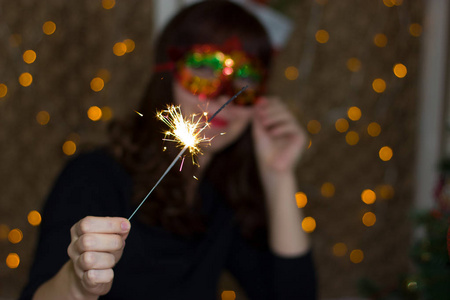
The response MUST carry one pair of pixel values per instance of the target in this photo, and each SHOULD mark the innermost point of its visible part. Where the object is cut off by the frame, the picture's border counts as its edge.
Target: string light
(385, 191)
(379, 85)
(107, 113)
(354, 113)
(356, 256)
(3, 90)
(228, 295)
(94, 113)
(130, 45)
(25, 79)
(374, 129)
(352, 138)
(43, 117)
(29, 56)
(400, 70)
(13, 260)
(34, 218)
(15, 236)
(301, 199)
(97, 84)
(4, 231)
(380, 40)
(353, 64)
(309, 224)
(327, 189)
(108, 4)
(314, 127)
(415, 29)
(119, 49)
(368, 196)
(369, 219)
(339, 249)
(104, 74)
(291, 73)
(341, 125)
(385, 153)
(69, 148)
(322, 36)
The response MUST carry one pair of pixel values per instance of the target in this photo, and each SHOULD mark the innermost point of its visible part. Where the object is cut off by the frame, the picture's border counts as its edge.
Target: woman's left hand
(279, 140)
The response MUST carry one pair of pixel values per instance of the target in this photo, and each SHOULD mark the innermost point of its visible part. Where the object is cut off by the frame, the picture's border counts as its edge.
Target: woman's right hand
(97, 245)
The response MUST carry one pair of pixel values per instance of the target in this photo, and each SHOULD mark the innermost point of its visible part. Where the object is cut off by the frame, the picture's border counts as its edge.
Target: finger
(96, 261)
(103, 225)
(94, 277)
(99, 242)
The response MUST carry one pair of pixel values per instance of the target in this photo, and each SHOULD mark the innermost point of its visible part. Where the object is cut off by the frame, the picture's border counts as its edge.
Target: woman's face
(225, 128)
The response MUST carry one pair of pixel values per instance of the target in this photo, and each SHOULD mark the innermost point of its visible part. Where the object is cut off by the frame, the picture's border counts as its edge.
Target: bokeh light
(4, 231)
(94, 113)
(314, 126)
(352, 138)
(15, 236)
(356, 256)
(107, 113)
(400, 70)
(380, 40)
(301, 199)
(415, 29)
(119, 49)
(43, 117)
(291, 73)
(309, 224)
(388, 3)
(69, 148)
(341, 125)
(327, 189)
(228, 295)
(49, 28)
(104, 74)
(379, 85)
(369, 219)
(25, 79)
(34, 218)
(29, 56)
(368, 196)
(354, 113)
(12, 260)
(97, 84)
(386, 191)
(374, 129)
(108, 4)
(385, 153)
(339, 249)
(130, 44)
(322, 36)
(3, 90)
(353, 64)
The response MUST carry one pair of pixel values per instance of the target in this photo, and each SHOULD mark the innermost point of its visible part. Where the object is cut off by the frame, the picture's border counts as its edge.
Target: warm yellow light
(400, 70)
(369, 219)
(108, 4)
(291, 73)
(107, 113)
(352, 138)
(354, 113)
(374, 129)
(415, 29)
(104, 74)
(29, 56)
(309, 224)
(25, 79)
(353, 64)
(310, 143)
(368, 196)
(94, 113)
(228, 295)
(34, 218)
(43, 117)
(385, 191)
(356, 256)
(339, 249)
(385, 153)
(380, 40)
(4, 231)
(388, 3)
(12, 260)
(49, 28)
(15, 236)
(69, 148)
(327, 189)
(341, 125)
(314, 127)
(322, 36)
(120, 49)
(3, 90)
(301, 199)
(97, 84)
(379, 85)
(130, 44)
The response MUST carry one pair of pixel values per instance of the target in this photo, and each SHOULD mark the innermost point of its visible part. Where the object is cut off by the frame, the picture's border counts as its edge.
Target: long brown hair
(136, 142)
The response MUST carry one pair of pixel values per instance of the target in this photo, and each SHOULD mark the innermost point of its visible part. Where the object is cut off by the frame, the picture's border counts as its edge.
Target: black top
(157, 264)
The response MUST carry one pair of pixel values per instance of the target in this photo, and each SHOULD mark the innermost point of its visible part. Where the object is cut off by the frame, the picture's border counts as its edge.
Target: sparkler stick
(192, 145)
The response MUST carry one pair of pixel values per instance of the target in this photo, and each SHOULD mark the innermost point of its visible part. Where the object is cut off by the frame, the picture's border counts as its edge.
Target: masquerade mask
(207, 71)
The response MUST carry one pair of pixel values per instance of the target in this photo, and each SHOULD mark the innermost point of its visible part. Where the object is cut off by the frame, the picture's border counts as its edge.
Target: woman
(239, 215)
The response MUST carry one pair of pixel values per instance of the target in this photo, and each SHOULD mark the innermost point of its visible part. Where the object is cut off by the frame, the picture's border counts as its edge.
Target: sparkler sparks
(185, 132)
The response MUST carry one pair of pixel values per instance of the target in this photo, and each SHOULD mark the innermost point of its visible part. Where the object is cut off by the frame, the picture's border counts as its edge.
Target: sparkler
(185, 132)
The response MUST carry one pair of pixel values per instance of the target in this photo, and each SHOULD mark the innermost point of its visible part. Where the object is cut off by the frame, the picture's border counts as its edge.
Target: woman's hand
(97, 245)
(279, 140)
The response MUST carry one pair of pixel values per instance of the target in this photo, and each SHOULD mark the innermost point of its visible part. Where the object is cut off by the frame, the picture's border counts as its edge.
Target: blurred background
(367, 79)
